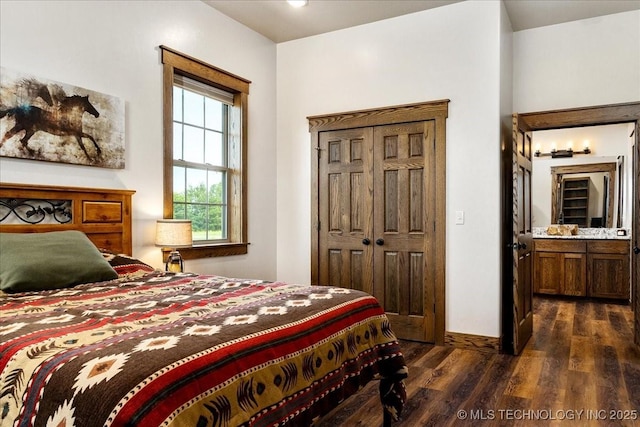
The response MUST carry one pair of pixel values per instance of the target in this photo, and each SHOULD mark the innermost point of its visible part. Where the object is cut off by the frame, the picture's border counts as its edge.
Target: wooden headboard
(104, 215)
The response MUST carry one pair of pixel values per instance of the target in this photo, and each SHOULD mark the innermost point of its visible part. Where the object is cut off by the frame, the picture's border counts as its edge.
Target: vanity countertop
(585, 233)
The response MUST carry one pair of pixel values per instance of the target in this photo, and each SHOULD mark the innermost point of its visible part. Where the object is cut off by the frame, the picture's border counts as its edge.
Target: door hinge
(434, 307)
(318, 226)
(318, 150)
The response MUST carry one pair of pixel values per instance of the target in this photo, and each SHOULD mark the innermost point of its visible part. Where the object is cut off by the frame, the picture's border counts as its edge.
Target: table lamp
(174, 234)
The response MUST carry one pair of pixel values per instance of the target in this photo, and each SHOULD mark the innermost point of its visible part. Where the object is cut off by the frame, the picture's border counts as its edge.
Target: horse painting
(33, 89)
(62, 119)
(48, 120)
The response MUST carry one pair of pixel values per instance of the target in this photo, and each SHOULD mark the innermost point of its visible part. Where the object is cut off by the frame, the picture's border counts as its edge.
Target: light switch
(459, 217)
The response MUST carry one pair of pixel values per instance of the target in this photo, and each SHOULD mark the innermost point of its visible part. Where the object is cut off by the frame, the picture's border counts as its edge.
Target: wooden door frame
(558, 119)
(436, 110)
(635, 234)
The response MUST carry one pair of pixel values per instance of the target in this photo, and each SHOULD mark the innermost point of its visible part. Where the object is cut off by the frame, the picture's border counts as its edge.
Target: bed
(141, 347)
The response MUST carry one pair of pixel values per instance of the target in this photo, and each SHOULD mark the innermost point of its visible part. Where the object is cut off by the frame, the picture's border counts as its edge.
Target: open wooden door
(517, 238)
(635, 237)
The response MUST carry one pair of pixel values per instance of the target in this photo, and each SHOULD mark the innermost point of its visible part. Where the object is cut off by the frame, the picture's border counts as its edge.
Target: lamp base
(174, 262)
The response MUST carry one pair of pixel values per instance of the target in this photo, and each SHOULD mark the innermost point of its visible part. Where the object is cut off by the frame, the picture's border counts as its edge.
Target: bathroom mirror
(603, 198)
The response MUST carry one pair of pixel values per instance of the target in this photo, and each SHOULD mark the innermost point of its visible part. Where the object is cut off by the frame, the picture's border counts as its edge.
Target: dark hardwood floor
(581, 368)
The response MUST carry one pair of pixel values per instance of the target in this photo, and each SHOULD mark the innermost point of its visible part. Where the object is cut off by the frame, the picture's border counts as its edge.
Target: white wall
(589, 62)
(112, 47)
(449, 52)
(606, 143)
(583, 63)
(506, 69)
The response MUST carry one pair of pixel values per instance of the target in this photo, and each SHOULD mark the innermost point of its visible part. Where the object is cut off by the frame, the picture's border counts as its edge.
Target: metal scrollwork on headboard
(35, 211)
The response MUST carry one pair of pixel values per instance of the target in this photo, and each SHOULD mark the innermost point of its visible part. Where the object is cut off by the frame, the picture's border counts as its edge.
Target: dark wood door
(376, 217)
(363, 188)
(404, 226)
(635, 260)
(346, 208)
(522, 239)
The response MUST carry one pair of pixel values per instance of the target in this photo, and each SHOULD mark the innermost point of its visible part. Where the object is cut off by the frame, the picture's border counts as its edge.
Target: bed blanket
(183, 349)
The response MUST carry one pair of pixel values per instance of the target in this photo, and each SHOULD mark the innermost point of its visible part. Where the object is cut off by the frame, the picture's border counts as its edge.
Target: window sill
(210, 251)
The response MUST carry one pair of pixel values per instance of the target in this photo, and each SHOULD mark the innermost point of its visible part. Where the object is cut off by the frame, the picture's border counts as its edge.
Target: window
(204, 154)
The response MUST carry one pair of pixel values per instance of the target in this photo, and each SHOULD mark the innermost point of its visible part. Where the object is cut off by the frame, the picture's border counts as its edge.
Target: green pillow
(42, 261)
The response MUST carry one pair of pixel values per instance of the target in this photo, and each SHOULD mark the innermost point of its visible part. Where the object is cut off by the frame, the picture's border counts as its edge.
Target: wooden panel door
(346, 208)
(635, 235)
(404, 226)
(397, 181)
(522, 241)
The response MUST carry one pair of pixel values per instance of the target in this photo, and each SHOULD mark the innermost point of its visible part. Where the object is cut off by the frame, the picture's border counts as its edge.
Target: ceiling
(278, 21)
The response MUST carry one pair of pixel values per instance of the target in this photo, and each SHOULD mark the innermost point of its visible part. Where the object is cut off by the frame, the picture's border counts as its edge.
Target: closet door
(404, 226)
(345, 180)
(378, 210)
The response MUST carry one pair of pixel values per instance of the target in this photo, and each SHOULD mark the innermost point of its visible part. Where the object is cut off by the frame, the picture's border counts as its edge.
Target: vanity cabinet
(608, 269)
(560, 267)
(591, 268)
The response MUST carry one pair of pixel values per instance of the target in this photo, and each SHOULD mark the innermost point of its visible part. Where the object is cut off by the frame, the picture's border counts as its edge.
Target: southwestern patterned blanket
(162, 349)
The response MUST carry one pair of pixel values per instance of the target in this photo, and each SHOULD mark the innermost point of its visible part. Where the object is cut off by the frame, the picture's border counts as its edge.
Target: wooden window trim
(176, 62)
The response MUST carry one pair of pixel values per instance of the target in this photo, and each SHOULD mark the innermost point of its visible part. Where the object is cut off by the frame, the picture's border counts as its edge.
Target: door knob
(636, 250)
(366, 241)
(380, 242)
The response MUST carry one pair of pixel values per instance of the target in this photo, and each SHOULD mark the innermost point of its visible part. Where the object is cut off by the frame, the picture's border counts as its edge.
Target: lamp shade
(173, 233)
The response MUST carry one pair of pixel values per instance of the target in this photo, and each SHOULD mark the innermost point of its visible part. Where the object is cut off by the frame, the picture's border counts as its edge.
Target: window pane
(177, 141)
(193, 108)
(193, 144)
(217, 187)
(214, 151)
(213, 117)
(217, 223)
(179, 184)
(179, 211)
(196, 186)
(177, 104)
(198, 216)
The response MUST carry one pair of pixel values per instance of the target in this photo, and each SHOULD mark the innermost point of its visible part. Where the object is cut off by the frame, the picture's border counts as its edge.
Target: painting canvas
(47, 120)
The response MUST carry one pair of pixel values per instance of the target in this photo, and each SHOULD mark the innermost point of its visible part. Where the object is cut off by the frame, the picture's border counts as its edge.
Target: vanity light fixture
(298, 3)
(567, 152)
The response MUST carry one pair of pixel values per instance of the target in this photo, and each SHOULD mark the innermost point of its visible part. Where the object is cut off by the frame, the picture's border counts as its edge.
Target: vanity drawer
(609, 246)
(560, 245)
